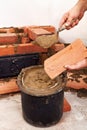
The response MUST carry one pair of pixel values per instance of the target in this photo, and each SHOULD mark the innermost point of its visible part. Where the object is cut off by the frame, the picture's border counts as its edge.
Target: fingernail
(67, 24)
(65, 66)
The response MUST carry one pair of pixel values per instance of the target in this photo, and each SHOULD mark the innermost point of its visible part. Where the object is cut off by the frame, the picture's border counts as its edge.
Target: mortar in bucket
(42, 98)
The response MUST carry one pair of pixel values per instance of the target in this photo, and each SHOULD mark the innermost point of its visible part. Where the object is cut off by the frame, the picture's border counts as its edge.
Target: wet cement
(47, 41)
(36, 82)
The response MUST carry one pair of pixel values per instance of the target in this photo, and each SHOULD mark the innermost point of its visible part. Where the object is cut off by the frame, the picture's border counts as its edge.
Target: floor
(11, 114)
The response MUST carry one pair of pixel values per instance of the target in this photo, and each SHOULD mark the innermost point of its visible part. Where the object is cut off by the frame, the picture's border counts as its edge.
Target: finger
(63, 19)
(71, 23)
(74, 23)
(81, 15)
(77, 66)
(68, 23)
(71, 67)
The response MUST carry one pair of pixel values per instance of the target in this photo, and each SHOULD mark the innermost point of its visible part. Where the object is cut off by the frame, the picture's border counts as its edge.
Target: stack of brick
(19, 40)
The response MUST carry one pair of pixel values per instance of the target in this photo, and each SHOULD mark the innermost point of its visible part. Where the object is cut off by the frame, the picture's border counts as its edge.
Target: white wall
(41, 12)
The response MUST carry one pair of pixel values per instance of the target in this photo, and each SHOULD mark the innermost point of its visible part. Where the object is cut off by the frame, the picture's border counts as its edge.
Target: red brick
(11, 30)
(3, 30)
(7, 30)
(28, 48)
(15, 30)
(67, 106)
(33, 33)
(6, 50)
(74, 84)
(72, 54)
(48, 28)
(8, 86)
(57, 47)
(8, 38)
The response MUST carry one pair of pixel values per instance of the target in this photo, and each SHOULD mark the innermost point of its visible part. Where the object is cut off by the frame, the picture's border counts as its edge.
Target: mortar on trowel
(47, 40)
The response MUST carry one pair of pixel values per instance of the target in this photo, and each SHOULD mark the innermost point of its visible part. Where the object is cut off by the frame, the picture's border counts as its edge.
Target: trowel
(47, 40)
(71, 54)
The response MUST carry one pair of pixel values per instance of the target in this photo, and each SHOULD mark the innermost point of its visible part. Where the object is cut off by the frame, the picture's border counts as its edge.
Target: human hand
(73, 16)
(77, 66)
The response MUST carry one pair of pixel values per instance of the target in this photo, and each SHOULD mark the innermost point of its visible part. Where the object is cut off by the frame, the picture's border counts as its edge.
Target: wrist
(82, 4)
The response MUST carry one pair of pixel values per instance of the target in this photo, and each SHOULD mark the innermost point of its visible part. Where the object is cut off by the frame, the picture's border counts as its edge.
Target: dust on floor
(11, 114)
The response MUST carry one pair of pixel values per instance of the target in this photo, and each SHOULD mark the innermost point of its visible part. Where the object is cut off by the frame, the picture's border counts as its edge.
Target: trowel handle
(64, 26)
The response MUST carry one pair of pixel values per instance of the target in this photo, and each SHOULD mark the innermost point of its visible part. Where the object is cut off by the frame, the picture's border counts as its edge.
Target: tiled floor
(11, 114)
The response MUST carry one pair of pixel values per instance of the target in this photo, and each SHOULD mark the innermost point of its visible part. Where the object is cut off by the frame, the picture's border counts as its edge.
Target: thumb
(69, 21)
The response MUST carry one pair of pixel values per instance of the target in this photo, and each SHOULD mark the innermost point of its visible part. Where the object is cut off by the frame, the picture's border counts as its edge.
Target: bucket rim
(23, 89)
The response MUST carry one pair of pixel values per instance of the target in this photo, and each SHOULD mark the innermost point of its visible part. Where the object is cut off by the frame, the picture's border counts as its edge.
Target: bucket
(42, 98)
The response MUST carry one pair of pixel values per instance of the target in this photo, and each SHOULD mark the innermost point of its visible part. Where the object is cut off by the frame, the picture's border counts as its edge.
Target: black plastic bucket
(42, 109)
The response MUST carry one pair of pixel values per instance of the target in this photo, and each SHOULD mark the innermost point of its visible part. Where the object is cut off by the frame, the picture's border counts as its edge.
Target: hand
(79, 65)
(74, 15)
